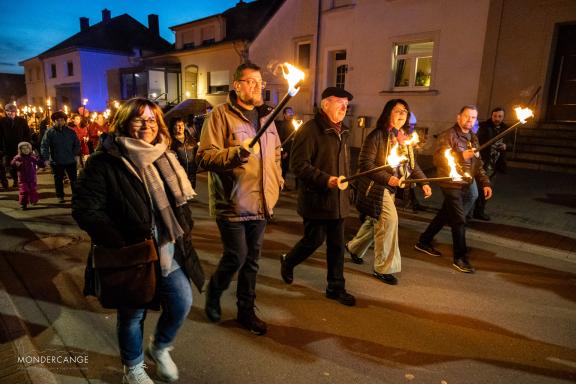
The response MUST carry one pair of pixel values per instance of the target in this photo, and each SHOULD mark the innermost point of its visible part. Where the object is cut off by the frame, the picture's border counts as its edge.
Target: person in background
(95, 129)
(13, 130)
(185, 147)
(320, 153)
(59, 149)
(133, 189)
(25, 163)
(81, 130)
(243, 188)
(493, 157)
(285, 128)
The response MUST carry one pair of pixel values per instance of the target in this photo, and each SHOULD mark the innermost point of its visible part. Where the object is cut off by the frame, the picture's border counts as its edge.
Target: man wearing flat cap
(320, 153)
(59, 149)
(13, 130)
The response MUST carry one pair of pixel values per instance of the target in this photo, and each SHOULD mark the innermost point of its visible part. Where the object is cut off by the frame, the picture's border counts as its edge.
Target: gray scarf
(160, 169)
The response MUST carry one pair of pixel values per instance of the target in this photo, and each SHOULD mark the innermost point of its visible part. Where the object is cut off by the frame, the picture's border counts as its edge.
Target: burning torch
(454, 175)
(394, 160)
(522, 114)
(294, 76)
(296, 124)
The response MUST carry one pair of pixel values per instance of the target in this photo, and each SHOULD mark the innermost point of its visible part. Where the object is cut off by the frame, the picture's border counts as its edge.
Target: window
(191, 81)
(303, 58)
(413, 65)
(208, 35)
(218, 82)
(341, 72)
(53, 71)
(70, 67)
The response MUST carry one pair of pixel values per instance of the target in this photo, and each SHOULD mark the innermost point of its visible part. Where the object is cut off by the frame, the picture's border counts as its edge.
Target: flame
(394, 159)
(452, 164)
(296, 124)
(84, 102)
(66, 109)
(48, 103)
(414, 139)
(523, 113)
(293, 75)
(116, 104)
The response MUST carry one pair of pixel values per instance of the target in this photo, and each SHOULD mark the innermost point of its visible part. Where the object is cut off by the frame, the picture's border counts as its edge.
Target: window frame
(413, 59)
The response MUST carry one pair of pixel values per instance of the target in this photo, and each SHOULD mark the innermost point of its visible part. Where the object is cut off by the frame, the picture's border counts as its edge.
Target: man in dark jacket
(494, 156)
(320, 154)
(13, 130)
(459, 196)
(59, 149)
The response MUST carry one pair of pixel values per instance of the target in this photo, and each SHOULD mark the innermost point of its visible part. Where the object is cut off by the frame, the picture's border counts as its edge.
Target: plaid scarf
(160, 169)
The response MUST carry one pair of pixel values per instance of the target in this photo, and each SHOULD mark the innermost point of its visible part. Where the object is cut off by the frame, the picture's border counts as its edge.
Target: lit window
(413, 65)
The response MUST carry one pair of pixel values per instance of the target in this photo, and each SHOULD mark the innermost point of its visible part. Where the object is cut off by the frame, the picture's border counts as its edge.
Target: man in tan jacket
(243, 186)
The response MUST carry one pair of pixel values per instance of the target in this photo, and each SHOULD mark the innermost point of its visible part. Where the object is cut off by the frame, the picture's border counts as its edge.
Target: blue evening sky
(29, 27)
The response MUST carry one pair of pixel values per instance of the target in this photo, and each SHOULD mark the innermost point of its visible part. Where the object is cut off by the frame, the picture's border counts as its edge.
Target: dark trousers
(242, 241)
(58, 172)
(315, 232)
(453, 212)
(3, 179)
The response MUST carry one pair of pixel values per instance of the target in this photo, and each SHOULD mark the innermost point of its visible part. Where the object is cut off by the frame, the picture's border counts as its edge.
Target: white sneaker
(136, 375)
(166, 369)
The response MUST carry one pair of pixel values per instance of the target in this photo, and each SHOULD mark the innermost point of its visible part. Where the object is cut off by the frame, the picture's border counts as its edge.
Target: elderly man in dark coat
(320, 153)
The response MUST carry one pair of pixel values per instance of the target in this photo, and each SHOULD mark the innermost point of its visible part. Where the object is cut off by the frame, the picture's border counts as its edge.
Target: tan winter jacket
(239, 190)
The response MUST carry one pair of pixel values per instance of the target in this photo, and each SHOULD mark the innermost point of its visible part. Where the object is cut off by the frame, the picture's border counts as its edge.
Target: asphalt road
(514, 321)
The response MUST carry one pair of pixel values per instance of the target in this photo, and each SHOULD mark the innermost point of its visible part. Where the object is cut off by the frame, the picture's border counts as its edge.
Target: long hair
(384, 119)
(134, 108)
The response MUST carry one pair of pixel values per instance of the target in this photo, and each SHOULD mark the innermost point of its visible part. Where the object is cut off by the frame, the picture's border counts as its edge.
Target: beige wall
(519, 55)
(294, 22)
(217, 58)
(35, 86)
(368, 31)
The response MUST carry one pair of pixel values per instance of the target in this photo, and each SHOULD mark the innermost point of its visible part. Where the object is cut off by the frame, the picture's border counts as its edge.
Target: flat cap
(337, 92)
(58, 115)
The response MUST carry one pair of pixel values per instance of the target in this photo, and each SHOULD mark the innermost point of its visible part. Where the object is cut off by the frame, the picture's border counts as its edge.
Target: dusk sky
(30, 27)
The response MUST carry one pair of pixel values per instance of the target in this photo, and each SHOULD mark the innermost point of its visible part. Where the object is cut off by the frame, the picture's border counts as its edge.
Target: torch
(454, 175)
(393, 161)
(49, 110)
(522, 114)
(296, 124)
(294, 76)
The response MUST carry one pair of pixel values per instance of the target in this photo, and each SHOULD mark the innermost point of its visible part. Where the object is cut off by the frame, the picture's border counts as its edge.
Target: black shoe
(353, 256)
(286, 272)
(212, 306)
(463, 265)
(386, 278)
(342, 297)
(248, 319)
(481, 216)
(427, 248)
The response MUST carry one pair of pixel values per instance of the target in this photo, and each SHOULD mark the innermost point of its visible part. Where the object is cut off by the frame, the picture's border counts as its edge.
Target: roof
(245, 20)
(121, 33)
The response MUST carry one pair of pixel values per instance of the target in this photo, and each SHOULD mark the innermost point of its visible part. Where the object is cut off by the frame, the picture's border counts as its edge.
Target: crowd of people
(137, 175)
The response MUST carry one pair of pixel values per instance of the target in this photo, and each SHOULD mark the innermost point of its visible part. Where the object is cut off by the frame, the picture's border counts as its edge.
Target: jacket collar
(326, 126)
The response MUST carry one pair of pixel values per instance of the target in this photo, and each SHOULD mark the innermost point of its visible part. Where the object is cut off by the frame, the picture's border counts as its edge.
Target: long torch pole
(373, 170)
(271, 117)
(497, 137)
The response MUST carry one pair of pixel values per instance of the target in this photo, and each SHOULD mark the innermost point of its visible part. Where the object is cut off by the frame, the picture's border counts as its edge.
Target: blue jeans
(175, 295)
(242, 242)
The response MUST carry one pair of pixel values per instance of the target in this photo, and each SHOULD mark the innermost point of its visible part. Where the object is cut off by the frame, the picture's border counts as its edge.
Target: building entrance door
(562, 97)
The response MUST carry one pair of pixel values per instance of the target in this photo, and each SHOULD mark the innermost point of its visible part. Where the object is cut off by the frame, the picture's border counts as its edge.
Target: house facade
(78, 68)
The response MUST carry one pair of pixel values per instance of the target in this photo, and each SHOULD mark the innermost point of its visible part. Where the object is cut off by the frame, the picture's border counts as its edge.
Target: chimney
(105, 14)
(153, 24)
(84, 24)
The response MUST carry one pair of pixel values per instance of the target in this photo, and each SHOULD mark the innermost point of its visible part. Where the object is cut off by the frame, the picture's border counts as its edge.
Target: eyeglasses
(252, 83)
(138, 122)
(400, 112)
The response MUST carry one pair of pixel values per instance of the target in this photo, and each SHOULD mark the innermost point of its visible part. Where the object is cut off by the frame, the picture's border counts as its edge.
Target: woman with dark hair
(375, 196)
(185, 145)
(133, 192)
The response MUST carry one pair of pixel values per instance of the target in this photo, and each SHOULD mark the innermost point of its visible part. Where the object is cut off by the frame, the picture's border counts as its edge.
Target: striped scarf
(160, 169)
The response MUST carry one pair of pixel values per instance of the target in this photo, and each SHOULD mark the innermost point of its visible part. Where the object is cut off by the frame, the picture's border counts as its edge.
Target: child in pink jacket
(25, 163)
